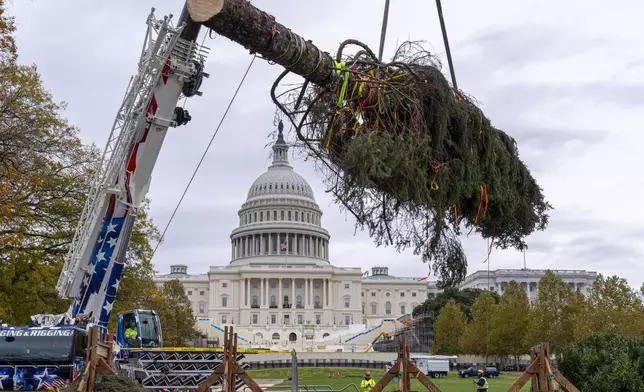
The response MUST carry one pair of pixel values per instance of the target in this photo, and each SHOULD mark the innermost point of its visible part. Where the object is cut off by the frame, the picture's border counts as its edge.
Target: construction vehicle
(49, 352)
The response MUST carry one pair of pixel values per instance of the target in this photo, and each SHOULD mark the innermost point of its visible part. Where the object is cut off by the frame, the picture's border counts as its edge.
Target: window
(402, 309)
(302, 217)
(362, 294)
(374, 308)
(318, 319)
(224, 302)
(297, 217)
(316, 285)
(224, 285)
(347, 320)
(255, 301)
(273, 319)
(281, 215)
(254, 216)
(285, 285)
(261, 216)
(288, 215)
(273, 301)
(347, 302)
(255, 319)
(224, 319)
(189, 292)
(275, 218)
(276, 336)
(346, 285)
(202, 307)
(413, 294)
(373, 293)
(402, 294)
(308, 217)
(300, 319)
(363, 308)
(298, 285)
(388, 294)
(287, 319)
(299, 300)
(317, 302)
(273, 285)
(388, 307)
(255, 285)
(201, 293)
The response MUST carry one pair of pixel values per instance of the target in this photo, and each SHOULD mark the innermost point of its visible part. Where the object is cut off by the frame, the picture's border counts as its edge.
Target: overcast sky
(564, 78)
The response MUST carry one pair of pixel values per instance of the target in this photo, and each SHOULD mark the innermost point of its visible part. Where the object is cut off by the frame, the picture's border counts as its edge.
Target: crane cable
(446, 42)
(223, 117)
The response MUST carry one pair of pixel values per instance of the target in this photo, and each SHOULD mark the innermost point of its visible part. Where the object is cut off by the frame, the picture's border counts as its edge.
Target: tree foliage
(177, 318)
(607, 363)
(510, 322)
(555, 312)
(448, 329)
(476, 337)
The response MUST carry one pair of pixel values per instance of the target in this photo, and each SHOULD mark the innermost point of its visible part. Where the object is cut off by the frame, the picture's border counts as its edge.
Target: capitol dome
(280, 222)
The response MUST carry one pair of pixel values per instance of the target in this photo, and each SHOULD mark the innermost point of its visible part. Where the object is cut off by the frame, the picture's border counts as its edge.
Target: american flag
(57, 383)
(103, 258)
(282, 246)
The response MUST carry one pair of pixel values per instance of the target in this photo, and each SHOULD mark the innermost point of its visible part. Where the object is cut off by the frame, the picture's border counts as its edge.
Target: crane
(170, 67)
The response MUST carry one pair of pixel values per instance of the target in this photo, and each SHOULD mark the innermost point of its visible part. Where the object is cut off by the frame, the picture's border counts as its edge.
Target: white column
(248, 292)
(292, 290)
(261, 292)
(270, 243)
(280, 300)
(324, 304)
(287, 235)
(306, 292)
(311, 292)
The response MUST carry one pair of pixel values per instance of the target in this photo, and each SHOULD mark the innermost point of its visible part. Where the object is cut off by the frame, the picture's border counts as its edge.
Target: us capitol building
(280, 288)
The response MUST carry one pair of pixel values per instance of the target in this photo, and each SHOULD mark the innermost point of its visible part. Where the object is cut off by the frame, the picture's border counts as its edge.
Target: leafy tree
(449, 327)
(464, 298)
(44, 177)
(510, 322)
(175, 312)
(555, 313)
(612, 307)
(607, 363)
(476, 337)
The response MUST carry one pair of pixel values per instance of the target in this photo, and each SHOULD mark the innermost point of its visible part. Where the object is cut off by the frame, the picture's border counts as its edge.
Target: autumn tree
(448, 329)
(45, 173)
(476, 337)
(175, 312)
(612, 307)
(510, 322)
(555, 313)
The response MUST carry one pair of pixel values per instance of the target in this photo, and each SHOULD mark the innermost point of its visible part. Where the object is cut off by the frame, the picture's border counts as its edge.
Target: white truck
(434, 366)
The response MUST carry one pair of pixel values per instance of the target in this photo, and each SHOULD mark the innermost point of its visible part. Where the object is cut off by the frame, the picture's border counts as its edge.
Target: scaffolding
(418, 333)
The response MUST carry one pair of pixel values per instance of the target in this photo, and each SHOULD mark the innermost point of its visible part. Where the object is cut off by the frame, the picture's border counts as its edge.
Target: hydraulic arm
(170, 66)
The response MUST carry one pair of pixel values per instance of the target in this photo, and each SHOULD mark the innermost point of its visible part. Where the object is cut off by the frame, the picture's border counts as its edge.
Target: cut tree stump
(542, 374)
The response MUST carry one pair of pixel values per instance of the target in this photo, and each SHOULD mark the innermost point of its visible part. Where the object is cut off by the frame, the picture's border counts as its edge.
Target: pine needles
(414, 160)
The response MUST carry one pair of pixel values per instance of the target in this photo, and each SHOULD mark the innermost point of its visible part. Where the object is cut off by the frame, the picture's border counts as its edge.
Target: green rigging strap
(341, 67)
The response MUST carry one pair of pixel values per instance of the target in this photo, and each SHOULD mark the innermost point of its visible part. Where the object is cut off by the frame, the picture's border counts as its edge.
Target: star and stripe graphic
(105, 254)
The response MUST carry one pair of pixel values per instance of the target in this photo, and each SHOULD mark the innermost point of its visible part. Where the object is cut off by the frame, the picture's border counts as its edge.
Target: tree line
(481, 322)
(45, 173)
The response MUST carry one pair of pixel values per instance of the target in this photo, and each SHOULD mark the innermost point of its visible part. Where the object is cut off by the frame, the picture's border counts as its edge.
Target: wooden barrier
(405, 368)
(98, 360)
(542, 374)
(229, 368)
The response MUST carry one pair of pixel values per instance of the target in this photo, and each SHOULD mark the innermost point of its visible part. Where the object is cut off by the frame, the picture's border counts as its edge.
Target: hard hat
(479, 371)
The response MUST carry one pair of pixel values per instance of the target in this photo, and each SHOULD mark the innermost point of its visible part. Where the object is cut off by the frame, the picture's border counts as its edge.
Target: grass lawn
(320, 377)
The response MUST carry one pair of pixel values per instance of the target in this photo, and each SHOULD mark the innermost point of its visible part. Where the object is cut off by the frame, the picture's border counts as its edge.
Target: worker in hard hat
(481, 383)
(367, 383)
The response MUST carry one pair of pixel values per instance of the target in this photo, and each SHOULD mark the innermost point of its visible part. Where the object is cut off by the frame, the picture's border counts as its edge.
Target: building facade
(528, 279)
(279, 286)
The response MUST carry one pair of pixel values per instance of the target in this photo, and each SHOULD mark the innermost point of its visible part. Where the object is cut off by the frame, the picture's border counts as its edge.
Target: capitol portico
(279, 286)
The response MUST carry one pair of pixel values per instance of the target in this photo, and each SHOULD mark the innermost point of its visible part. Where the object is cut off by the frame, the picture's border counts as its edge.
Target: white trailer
(434, 366)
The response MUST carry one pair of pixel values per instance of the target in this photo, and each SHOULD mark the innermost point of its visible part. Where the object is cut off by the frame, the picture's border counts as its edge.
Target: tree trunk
(258, 32)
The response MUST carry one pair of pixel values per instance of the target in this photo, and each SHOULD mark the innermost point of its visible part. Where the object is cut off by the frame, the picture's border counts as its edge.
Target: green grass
(320, 376)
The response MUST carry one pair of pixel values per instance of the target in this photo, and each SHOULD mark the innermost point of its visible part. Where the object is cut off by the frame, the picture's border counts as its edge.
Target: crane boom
(170, 65)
